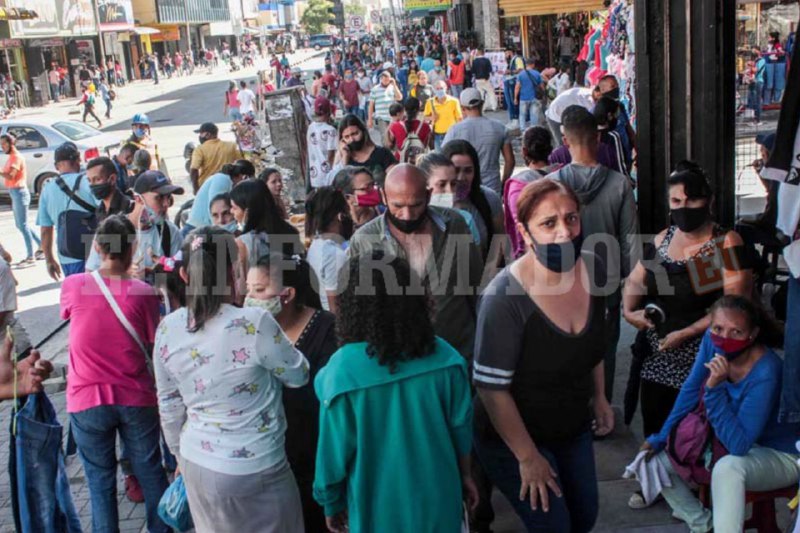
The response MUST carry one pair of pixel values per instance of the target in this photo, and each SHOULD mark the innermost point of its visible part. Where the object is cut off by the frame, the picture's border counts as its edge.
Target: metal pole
(99, 34)
(394, 32)
(188, 30)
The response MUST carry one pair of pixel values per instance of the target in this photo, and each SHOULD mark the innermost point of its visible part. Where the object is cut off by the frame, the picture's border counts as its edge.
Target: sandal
(636, 501)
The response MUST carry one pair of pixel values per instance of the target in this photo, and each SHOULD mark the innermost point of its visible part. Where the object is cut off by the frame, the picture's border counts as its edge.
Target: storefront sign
(46, 43)
(64, 18)
(430, 5)
(86, 51)
(10, 43)
(115, 15)
(220, 28)
(168, 33)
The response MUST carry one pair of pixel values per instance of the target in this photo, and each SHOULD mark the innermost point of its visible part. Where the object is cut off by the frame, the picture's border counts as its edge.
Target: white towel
(651, 475)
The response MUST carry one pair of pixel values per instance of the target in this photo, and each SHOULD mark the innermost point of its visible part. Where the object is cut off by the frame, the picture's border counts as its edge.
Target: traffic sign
(375, 16)
(356, 22)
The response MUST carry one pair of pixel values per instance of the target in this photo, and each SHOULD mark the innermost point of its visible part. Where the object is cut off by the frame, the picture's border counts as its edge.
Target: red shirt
(350, 92)
(329, 80)
(398, 130)
(457, 73)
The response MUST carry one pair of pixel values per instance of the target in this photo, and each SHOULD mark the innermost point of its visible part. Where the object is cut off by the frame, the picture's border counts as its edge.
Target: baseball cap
(388, 65)
(157, 182)
(471, 97)
(207, 127)
(766, 139)
(67, 152)
(322, 106)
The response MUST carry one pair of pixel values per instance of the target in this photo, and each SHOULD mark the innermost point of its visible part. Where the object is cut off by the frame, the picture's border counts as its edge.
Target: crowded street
(399, 267)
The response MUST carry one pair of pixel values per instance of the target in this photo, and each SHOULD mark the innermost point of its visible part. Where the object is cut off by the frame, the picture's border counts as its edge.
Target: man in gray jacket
(609, 219)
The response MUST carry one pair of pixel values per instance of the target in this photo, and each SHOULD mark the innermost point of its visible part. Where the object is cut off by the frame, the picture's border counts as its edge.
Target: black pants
(88, 109)
(656, 402)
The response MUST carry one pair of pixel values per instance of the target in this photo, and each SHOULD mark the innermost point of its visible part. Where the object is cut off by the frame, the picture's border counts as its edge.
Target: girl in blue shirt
(739, 376)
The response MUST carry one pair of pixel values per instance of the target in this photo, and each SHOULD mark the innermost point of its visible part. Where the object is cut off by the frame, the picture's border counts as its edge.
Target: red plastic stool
(762, 519)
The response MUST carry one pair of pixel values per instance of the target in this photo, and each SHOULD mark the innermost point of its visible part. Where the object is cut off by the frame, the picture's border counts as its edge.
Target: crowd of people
(439, 325)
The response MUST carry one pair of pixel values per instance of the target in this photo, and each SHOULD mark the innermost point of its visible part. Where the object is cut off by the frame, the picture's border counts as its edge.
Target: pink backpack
(687, 444)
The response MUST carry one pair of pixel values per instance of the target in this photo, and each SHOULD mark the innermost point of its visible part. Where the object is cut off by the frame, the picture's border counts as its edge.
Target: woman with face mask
(284, 286)
(357, 149)
(538, 368)
(221, 214)
(685, 270)
(737, 378)
(220, 374)
(361, 193)
(328, 227)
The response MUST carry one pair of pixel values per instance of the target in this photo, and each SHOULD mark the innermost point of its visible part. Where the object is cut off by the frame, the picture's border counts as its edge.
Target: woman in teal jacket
(395, 412)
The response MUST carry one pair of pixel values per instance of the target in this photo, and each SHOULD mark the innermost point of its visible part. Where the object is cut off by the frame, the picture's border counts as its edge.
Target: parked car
(321, 40)
(37, 140)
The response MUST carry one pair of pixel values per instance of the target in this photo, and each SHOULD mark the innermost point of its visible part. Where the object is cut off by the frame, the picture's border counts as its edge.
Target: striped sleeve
(498, 338)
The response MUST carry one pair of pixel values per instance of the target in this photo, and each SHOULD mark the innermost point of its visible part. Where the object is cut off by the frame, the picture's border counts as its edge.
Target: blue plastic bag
(174, 507)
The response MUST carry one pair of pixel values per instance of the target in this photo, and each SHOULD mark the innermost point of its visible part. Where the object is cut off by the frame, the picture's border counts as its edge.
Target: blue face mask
(231, 226)
(139, 132)
(150, 217)
(440, 93)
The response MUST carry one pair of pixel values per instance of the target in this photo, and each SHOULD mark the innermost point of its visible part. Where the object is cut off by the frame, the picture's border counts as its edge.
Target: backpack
(90, 99)
(75, 227)
(412, 146)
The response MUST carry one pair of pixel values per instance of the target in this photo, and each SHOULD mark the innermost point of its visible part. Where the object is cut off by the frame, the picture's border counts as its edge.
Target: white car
(37, 140)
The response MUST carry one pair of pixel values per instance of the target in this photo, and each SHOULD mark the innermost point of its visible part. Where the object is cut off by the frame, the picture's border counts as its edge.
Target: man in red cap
(322, 141)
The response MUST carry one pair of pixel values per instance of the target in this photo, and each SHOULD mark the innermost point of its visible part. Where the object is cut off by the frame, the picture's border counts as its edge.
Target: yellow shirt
(447, 113)
(209, 157)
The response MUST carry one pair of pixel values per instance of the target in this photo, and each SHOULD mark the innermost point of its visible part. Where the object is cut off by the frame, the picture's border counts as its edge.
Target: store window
(511, 30)
(28, 138)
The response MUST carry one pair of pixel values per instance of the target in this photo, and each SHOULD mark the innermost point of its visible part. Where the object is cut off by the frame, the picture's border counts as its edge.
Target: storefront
(12, 60)
(214, 34)
(167, 41)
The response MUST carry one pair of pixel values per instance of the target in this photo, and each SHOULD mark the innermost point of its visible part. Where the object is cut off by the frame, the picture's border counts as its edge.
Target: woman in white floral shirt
(220, 371)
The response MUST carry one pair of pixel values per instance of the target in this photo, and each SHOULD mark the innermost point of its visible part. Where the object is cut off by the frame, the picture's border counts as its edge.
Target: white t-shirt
(326, 257)
(581, 96)
(321, 139)
(246, 99)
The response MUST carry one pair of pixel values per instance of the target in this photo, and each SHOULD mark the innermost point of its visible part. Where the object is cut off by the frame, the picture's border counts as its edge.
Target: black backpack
(74, 224)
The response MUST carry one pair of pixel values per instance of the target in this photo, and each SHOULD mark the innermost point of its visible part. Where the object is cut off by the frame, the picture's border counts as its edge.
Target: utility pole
(188, 30)
(394, 32)
(102, 61)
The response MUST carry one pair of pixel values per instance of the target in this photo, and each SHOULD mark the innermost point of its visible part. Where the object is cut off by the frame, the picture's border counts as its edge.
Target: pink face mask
(369, 199)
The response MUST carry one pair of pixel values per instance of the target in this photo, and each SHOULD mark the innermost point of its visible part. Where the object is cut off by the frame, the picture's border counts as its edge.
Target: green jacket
(389, 443)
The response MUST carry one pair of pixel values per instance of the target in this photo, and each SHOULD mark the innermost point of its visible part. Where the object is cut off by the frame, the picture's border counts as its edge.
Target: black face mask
(406, 226)
(689, 219)
(613, 94)
(355, 146)
(202, 139)
(101, 191)
(558, 256)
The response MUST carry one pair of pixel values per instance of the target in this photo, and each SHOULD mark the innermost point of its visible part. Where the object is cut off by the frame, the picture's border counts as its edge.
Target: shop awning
(17, 13)
(144, 30)
(516, 8)
(251, 31)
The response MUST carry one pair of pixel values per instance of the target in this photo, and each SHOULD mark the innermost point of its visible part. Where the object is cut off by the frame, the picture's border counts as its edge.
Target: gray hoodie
(607, 207)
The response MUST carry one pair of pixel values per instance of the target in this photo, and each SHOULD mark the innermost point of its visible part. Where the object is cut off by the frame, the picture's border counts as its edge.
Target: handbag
(688, 444)
(74, 224)
(123, 319)
(173, 508)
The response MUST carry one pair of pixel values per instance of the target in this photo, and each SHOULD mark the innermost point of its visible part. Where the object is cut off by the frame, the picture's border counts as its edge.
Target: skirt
(265, 502)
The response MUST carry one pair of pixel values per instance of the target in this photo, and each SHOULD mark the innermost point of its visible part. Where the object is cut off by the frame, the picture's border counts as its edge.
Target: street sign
(375, 16)
(356, 22)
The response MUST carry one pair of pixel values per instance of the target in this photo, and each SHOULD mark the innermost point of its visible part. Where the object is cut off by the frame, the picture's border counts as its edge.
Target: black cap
(155, 181)
(766, 139)
(207, 127)
(67, 152)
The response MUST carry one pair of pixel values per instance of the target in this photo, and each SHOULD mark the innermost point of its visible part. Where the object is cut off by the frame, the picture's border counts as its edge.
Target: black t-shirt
(378, 162)
(481, 68)
(547, 371)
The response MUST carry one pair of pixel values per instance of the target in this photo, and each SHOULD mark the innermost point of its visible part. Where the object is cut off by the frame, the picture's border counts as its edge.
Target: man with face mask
(429, 238)
(140, 137)
(442, 111)
(384, 94)
(211, 155)
(609, 87)
(102, 175)
(296, 79)
(608, 217)
(606, 112)
(157, 236)
(364, 90)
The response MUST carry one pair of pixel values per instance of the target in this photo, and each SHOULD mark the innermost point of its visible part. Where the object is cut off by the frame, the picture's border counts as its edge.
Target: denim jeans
(234, 114)
(529, 113)
(508, 97)
(456, 90)
(41, 499)
(573, 462)
(761, 470)
(790, 395)
(78, 267)
(95, 433)
(20, 200)
(54, 91)
(438, 140)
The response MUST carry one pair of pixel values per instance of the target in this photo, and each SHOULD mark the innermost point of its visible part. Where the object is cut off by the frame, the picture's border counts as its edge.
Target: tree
(355, 9)
(316, 16)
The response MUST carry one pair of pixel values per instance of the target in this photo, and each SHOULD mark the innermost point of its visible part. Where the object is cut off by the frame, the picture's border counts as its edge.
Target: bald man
(437, 243)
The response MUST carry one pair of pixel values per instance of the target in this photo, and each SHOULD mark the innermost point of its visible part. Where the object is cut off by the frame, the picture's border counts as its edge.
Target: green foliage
(316, 16)
(355, 9)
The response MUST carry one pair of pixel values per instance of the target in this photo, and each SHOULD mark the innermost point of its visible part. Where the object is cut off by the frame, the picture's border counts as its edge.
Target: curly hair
(382, 306)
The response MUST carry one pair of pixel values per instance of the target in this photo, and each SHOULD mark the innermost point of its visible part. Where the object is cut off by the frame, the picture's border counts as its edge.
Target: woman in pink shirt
(232, 103)
(111, 389)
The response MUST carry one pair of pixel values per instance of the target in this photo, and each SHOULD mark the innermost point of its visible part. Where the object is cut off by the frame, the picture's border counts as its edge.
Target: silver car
(37, 140)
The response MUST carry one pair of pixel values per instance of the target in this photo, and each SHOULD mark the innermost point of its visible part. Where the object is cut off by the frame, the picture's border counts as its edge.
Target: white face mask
(443, 199)
(271, 305)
